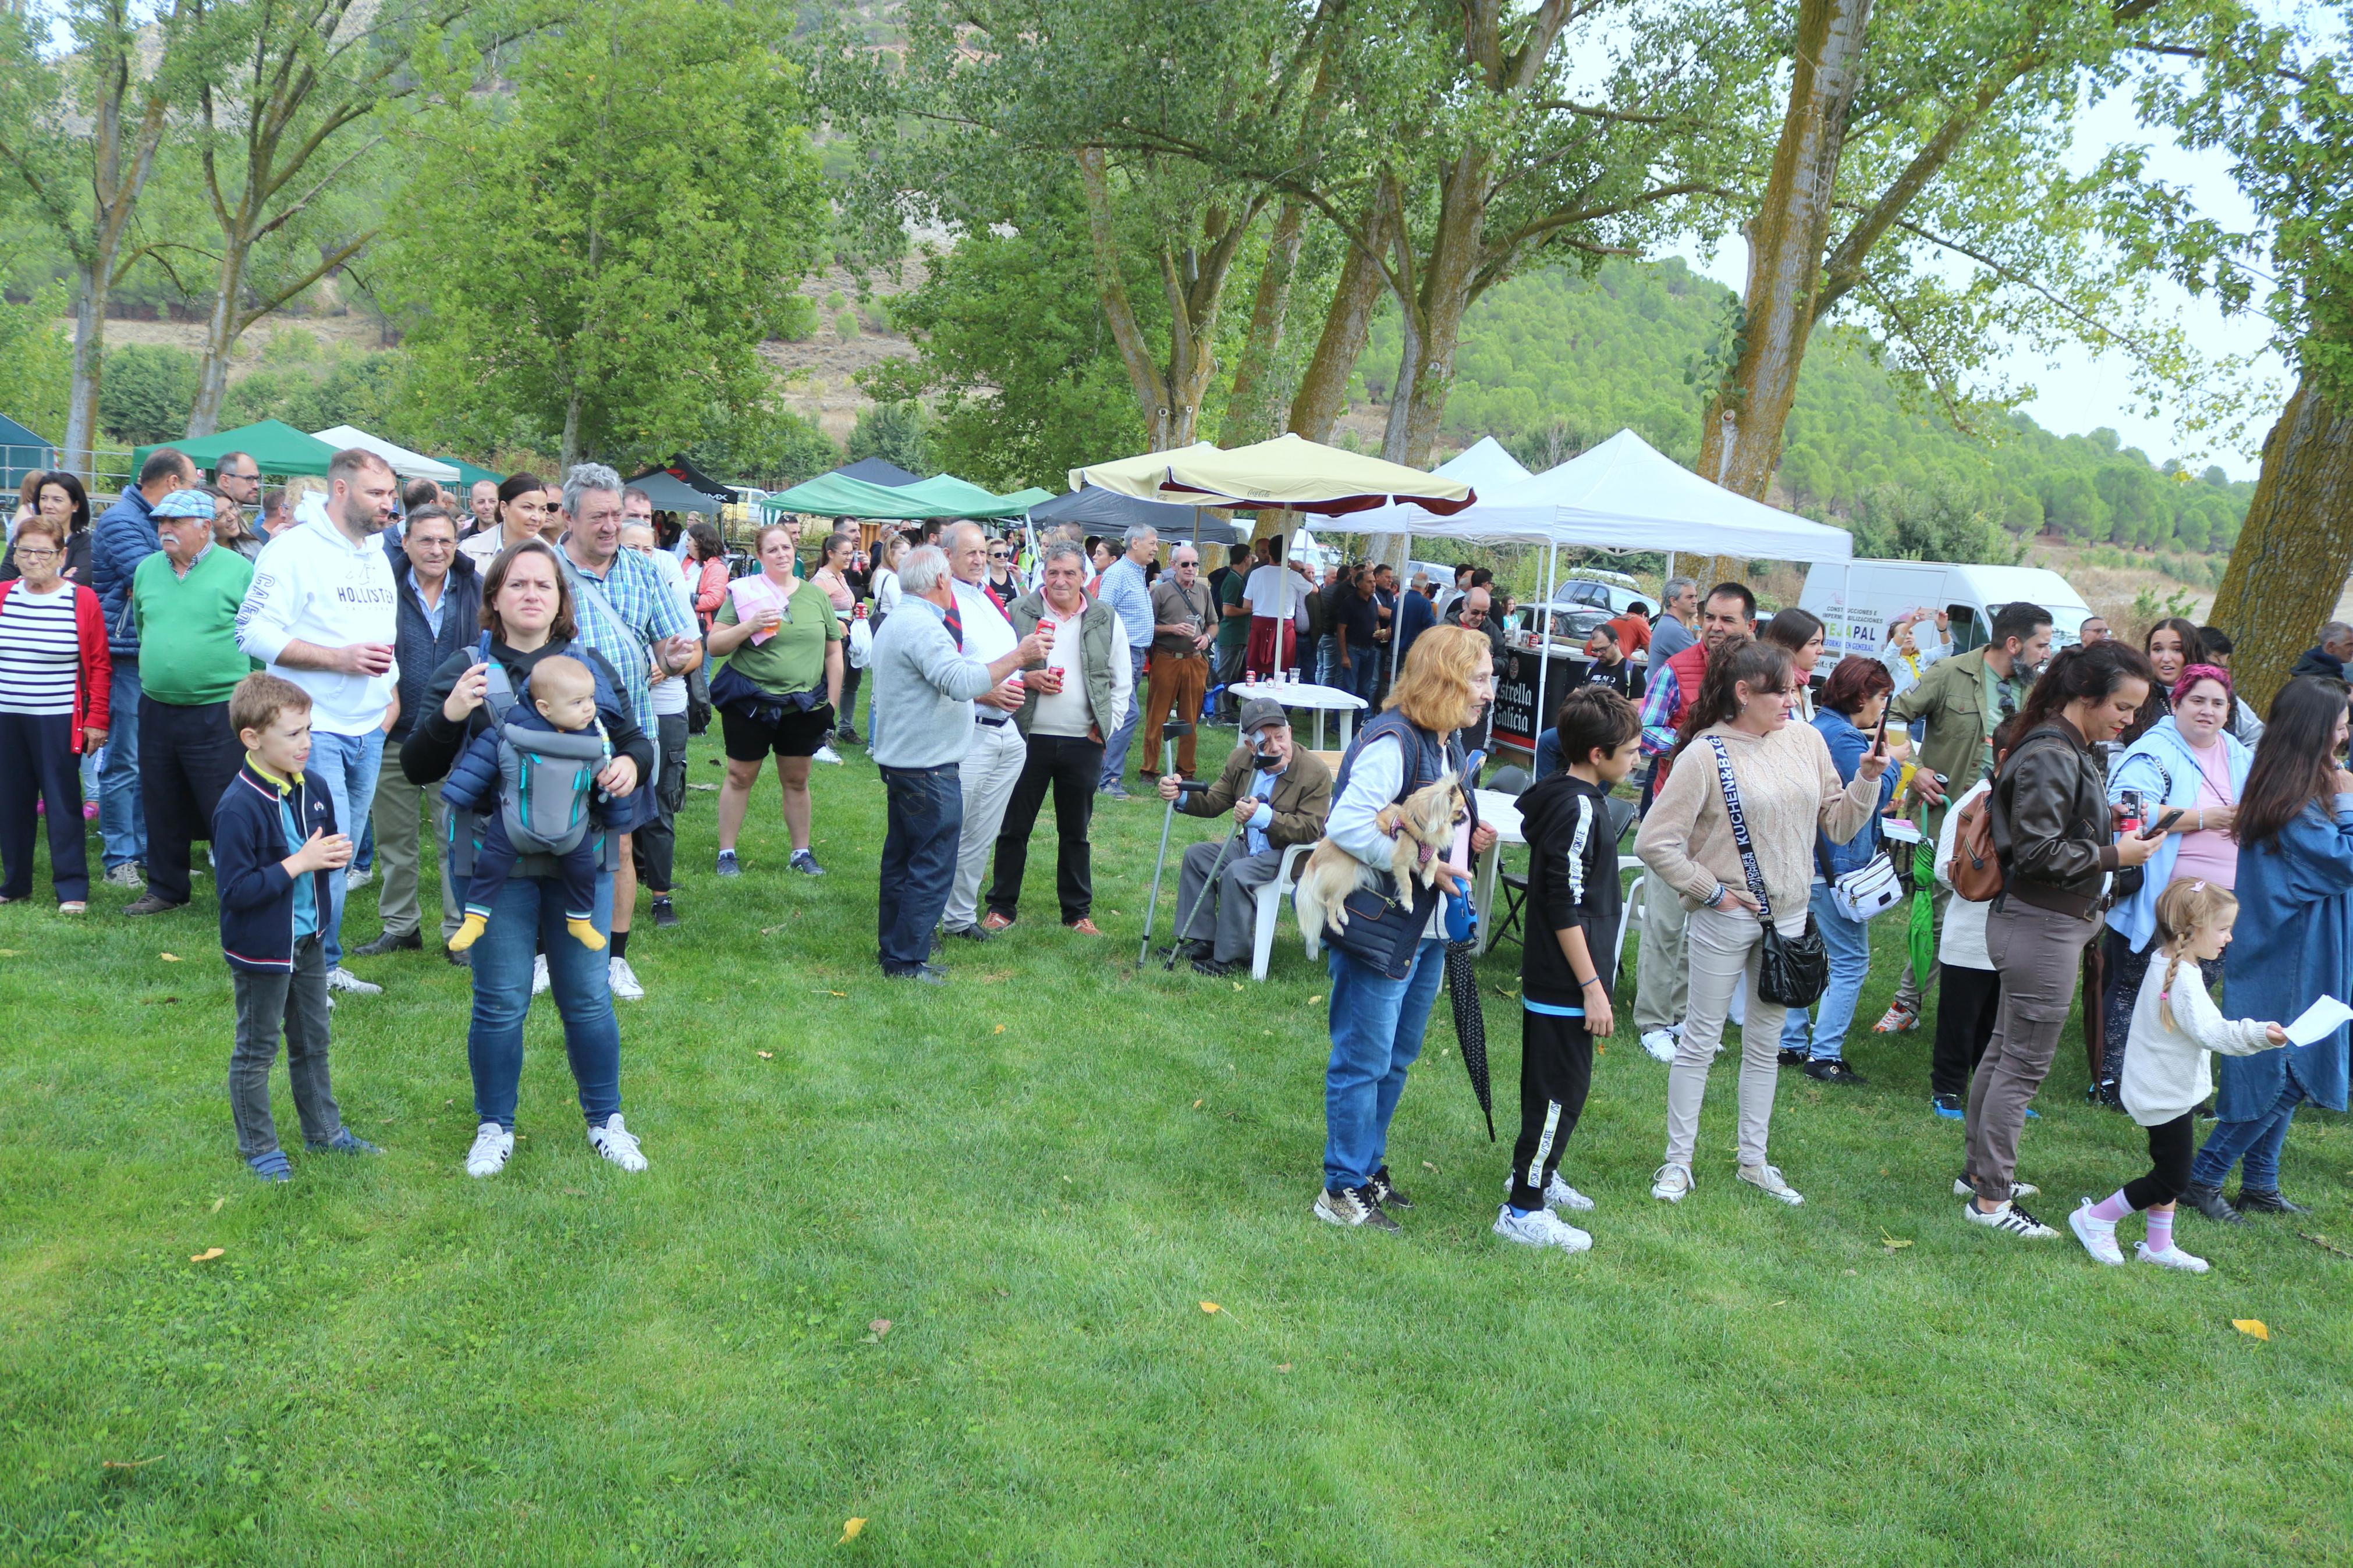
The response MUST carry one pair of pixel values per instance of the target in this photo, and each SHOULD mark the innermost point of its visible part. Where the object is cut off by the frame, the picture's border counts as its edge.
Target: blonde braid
(2165, 992)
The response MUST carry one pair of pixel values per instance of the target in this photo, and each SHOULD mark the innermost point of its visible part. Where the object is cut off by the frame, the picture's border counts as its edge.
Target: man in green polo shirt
(184, 599)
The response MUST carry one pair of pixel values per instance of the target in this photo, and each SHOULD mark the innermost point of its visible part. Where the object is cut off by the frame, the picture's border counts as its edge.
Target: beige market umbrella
(1290, 472)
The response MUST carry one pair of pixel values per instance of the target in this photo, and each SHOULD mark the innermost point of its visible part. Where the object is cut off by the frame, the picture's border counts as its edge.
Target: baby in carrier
(532, 779)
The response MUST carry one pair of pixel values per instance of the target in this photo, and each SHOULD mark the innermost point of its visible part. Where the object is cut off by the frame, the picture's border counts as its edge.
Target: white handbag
(1868, 891)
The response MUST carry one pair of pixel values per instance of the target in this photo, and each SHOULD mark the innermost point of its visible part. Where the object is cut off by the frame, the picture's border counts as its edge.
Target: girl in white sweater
(2174, 1025)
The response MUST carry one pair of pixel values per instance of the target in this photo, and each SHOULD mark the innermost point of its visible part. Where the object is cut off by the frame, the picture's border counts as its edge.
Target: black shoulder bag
(1795, 970)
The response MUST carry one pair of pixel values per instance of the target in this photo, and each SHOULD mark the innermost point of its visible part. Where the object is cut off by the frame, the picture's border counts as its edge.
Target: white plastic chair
(1270, 901)
(1635, 900)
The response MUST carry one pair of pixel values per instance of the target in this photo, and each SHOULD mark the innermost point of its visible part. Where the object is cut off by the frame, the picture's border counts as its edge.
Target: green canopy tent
(970, 501)
(276, 447)
(832, 495)
(467, 474)
(23, 452)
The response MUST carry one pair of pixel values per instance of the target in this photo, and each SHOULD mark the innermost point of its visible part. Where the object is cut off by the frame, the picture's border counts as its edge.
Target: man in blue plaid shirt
(631, 616)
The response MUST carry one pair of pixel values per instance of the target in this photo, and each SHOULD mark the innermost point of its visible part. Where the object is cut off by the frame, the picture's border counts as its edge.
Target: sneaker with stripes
(2010, 1220)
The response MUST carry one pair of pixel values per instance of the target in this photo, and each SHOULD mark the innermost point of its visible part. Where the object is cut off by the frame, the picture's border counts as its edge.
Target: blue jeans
(924, 821)
(348, 765)
(1377, 1027)
(1363, 676)
(122, 811)
(1115, 745)
(2257, 1141)
(528, 918)
(1327, 658)
(1849, 948)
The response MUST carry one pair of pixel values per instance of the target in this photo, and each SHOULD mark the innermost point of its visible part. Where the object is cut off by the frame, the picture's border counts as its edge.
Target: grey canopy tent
(1103, 511)
(877, 471)
(674, 495)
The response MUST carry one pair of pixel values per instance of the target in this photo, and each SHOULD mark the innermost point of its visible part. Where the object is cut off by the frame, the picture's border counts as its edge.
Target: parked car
(1611, 591)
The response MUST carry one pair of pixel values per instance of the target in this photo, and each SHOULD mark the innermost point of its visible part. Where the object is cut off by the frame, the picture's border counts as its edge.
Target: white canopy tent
(1485, 467)
(1621, 495)
(408, 465)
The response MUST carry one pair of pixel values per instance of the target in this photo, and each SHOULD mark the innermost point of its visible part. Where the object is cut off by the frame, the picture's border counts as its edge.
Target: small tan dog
(1423, 826)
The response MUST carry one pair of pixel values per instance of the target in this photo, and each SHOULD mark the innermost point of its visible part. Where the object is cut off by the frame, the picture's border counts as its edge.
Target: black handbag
(1794, 970)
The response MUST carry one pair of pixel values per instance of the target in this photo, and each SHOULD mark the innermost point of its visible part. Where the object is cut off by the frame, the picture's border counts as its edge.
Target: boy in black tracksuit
(1568, 963)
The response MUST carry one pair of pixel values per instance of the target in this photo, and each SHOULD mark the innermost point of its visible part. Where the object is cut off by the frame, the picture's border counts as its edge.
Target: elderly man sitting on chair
(1277, 796)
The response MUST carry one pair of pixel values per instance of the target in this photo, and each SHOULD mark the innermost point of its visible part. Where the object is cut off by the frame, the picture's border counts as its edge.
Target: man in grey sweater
(923, 686)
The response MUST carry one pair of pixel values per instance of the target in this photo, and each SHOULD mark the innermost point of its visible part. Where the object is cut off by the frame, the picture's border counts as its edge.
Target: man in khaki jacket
(1277, 795)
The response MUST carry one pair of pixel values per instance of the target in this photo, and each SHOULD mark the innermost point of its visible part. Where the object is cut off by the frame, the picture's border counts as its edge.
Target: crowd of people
(319, 682)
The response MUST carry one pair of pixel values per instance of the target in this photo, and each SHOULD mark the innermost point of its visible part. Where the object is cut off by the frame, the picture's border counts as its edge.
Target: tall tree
(594, 260)
(2279, 101)
(1920, 186)
(286, 99)
(79, 138)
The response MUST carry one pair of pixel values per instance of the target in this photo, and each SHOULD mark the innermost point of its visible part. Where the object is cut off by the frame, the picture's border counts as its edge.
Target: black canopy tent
(878, 471)
(1107, 512)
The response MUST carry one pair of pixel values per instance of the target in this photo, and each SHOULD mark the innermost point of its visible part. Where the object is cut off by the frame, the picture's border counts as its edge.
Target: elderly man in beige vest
(1085, 690)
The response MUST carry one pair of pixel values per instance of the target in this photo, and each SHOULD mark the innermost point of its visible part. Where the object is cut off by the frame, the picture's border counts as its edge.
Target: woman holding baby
(1386, 967)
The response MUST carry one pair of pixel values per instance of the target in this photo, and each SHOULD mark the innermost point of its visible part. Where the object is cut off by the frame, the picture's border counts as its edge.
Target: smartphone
(2163, 826)
(1878, 736)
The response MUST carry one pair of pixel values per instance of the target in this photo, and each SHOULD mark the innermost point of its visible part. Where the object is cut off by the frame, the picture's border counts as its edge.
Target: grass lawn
(1040, 1176)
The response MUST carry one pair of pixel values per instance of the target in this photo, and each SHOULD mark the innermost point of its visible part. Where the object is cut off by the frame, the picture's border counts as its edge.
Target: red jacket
(94, 685)
(1691, 668)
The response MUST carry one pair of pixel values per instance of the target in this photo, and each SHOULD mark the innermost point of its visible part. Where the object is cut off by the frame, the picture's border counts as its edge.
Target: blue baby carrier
(546, 785)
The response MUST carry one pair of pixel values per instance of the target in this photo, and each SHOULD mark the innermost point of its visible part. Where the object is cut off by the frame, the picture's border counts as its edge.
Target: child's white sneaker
(1540, 1227)
(1557, 1194)
(2098, 1236)
(2172, 1258)
(493, 1144)
(616, 1142)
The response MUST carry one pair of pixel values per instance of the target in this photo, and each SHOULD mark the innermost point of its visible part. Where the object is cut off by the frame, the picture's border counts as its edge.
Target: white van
(1856, 600)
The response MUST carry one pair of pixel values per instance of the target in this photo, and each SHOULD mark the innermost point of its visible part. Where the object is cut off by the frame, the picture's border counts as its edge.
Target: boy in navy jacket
(274, 842)
(1570, 920)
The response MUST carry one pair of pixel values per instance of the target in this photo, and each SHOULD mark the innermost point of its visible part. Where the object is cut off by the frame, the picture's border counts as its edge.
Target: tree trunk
(1322, 391)
(222, 328)
(1250, 408)
(570, 433)
(90, 291)
(2289, 565)
(1740, 434)
(1447, 279)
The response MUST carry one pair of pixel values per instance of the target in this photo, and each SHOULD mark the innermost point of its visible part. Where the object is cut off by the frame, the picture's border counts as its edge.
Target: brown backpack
(1976, 869)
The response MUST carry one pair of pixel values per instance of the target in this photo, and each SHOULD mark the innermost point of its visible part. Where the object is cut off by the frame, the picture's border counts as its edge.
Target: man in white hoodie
(323, 613)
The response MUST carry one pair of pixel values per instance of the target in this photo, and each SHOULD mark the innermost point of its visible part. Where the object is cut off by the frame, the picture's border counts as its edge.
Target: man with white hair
(1184, 619)
(629, 612)
(993, 763)
(1124, 590)
(323, 613)
(927, 680)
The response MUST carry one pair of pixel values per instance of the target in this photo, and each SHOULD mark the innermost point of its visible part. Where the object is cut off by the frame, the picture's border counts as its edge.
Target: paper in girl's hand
(2319, 1021)
(751, 594)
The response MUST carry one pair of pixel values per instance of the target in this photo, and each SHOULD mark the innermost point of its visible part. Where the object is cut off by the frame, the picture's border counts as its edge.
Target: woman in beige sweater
(1788, 787)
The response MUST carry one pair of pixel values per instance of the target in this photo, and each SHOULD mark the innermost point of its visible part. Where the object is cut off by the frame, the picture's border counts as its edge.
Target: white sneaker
(1661, 1044)
(1557, 1194)
(1540, 1227)
(826, 754)
(539, 974)
(2172, 1258)
(2010, 1220)
(1961, 1189)
(1767, 1179)
(1671, 1184)
(617, 1143)
(342, 979)
(624, 980)
(354, 880)
(125, 876)
(493, 1144)
(2098, 1236)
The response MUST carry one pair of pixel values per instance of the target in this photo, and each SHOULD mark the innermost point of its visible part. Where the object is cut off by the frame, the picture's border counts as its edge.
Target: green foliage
(39, 357)
(597, 257)
(896, 433)
(1553, 361)
(2148, 607)
(145, 394)
(335, 388)
(845, 325)
(1947, 522)
(774, 449)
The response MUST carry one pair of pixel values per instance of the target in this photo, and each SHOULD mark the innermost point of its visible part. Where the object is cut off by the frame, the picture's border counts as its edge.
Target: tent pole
(1544, 648)
(1846, 606)
(1036, 567)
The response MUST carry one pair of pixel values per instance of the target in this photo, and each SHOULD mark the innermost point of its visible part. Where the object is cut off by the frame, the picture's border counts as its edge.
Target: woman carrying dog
(1743, 748)
(1388, 961)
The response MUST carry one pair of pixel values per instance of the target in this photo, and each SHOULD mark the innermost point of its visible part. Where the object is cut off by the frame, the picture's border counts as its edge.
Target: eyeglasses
(23, 553)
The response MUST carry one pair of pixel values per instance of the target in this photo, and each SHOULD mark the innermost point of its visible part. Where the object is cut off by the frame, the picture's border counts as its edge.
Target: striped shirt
(40, 651)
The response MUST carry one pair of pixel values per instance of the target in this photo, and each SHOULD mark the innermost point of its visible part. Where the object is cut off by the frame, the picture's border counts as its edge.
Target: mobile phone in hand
(2163, 825)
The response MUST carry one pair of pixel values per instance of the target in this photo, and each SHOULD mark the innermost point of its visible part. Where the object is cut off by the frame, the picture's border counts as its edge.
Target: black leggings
(1966, 1002)
(2170, 1145)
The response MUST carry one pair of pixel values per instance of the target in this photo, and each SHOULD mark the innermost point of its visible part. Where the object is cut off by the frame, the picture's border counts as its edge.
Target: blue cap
(184, 503)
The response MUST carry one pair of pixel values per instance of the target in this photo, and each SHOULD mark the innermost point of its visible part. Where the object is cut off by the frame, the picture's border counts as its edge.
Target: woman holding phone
(2186, 774)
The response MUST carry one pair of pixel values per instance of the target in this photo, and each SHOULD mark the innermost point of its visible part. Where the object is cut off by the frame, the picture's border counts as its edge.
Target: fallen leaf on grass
(1282, 1366)
(2252, 1328)
(1237, 985)
(208, 1255)
(9, 953)
(157, 1001)
(711, 787)
(767, 1056)
(218, 1201)
(879, 1327)
(127, 1463)
(169, 957)
(1317, 997)
(998, 1030)
(1891, 1244)
(1197, 1105)
(849, 1529)
(1212, 1306)
(1431, 1168)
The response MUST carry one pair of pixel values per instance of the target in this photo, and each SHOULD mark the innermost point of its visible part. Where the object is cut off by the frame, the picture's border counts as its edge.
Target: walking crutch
(1185, 917)
(1177, 730)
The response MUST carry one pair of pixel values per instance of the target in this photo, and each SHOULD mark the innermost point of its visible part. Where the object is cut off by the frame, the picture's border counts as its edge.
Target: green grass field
(1039, 1176)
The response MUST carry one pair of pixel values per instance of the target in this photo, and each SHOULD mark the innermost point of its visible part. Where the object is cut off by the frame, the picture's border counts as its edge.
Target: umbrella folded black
(1469, 1025)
